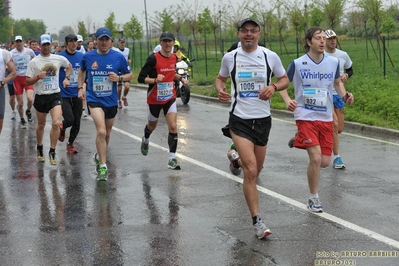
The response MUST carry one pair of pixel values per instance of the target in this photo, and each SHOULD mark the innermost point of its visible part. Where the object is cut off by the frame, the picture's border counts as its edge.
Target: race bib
(250, 82)
(74, 76)
(315, 99)
(102, 86)
(22, 64)
(50, 83)
(164, 91)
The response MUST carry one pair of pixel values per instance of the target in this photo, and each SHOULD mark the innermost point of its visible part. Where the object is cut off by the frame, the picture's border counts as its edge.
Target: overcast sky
(56, 14)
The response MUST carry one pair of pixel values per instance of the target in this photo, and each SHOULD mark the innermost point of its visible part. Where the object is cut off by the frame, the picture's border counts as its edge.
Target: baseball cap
(79, 38)
(242, 22)
(71, 37)
(330, 34)
(167, 36)
(103, 31)
(121, 40)
(18, 38)
(45, 38)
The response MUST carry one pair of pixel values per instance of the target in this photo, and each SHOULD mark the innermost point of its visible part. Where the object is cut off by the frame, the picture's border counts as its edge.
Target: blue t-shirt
(100, 89)
(72, 89)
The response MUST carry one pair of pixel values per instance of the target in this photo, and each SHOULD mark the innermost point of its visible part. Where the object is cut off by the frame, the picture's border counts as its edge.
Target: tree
(6, 26)
(133, 29)
(389, 26)
(316, 15)
(65, 30)
(375, 13)
(82, 30)
(333, 10)
(111, 24)
(28, 28)
(163, 21)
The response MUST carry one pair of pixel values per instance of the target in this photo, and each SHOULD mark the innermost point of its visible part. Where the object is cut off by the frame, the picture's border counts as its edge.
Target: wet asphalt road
(146, 214)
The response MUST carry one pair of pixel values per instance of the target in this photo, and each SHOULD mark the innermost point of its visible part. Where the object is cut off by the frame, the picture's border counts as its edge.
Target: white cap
(45, 38)
(18, 38)
(80, 38)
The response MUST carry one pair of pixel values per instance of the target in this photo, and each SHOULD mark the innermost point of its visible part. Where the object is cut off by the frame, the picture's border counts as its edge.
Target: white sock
(336, 156)
(314, 196)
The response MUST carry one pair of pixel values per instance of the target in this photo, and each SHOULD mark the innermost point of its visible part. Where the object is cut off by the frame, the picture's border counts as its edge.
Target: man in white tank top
(314, 76)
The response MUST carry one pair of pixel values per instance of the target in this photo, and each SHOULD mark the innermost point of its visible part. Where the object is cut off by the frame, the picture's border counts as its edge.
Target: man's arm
(220, 86)
(12, 73)
(340, 89)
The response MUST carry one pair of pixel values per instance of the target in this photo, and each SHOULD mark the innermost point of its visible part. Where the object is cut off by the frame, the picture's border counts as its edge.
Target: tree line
(278, 20)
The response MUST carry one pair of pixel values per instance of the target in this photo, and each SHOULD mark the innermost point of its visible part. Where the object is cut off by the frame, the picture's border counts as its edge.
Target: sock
(256, 219)
(172, 141)
(39, 147)
(52, 150)
(147, 134)
(172, 155)
(104, 165)
(336, 156)
(314, 196)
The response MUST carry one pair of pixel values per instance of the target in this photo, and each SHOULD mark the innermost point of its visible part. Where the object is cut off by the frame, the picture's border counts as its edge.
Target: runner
(126, 53)
(6, 64)
(159, 72)
(80, 48)
(102, 66)
(43, 74)
(346, 71)
(21, 57)
(71, 104)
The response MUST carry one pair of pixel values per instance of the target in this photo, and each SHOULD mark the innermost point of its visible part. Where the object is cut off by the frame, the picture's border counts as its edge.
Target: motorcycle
(183, 68)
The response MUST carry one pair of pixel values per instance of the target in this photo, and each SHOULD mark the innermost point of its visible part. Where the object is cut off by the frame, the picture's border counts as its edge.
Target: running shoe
(338, 163)
(40, 156)
(13, 115)
(61, 137)
(124, 99)
(102, 174)
(173, 164)
(314, 205)
(261, 230)
(23, 124)
(53, 160)
(29, 116)
(71, 149)
(233, 156)
(119, 104)
(144, 147)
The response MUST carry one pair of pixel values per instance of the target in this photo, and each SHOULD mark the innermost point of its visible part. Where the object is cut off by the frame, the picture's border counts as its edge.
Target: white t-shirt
(5, 57)
(51, 64)
(21, 59)
(313, 85)
(81, 50)
(125, 52)
(345, 62)
(253, 72)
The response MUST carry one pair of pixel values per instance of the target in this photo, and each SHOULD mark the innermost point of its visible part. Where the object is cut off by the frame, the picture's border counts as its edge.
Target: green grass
(376, 94)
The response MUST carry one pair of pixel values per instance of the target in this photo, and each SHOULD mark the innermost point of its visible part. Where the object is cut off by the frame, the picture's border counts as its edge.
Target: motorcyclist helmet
(177, 44)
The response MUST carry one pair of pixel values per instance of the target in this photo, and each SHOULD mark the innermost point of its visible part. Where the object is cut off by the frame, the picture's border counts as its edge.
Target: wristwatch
(2, 83)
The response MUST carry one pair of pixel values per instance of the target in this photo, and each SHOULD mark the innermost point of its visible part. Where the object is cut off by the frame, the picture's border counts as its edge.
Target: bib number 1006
(247, 86)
